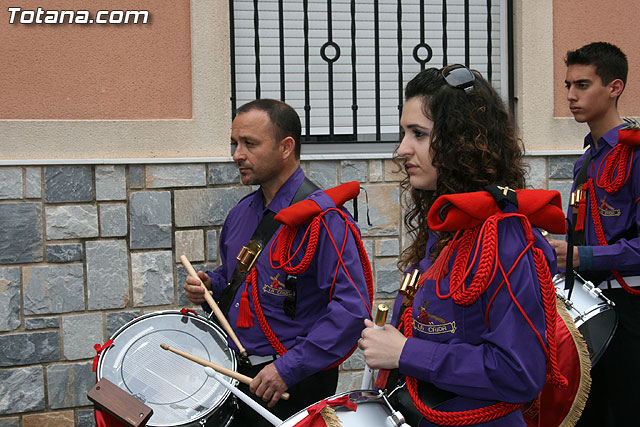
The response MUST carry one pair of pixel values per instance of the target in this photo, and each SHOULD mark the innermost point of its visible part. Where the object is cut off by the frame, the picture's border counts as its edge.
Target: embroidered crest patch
(276, 287)
(606, 209)
(428, 323)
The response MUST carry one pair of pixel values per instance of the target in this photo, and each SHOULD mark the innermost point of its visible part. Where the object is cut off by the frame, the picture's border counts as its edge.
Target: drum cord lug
(396, 417)
(593, 290)
(567, 303)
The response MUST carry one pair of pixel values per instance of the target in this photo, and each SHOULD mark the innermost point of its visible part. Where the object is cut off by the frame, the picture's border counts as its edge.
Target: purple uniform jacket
(324, 329)
(453, 349)
(619, 212)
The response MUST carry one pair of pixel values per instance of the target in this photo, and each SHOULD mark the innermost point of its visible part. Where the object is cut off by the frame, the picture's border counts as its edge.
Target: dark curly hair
(474, 143)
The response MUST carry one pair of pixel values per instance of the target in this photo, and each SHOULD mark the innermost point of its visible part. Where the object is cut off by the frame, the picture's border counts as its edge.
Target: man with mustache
(605, 220)
(316, 315)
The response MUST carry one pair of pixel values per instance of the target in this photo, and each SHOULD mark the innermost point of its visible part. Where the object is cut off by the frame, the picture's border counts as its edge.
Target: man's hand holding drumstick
(192, 289)
(206, 295)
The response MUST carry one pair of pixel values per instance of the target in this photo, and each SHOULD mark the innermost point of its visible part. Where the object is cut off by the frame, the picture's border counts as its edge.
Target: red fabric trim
(305, 210)
(466, 210)
(105, 419)
(99, 350)
(314, 419)
(629, 136)
(555, 403)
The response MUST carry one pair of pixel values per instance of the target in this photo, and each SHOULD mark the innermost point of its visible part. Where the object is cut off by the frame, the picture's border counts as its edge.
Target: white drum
(177, 389)
(373, 411)
(593, 314)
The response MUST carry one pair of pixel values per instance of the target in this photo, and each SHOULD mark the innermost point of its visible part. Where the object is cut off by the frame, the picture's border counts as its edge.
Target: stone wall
(84, 249)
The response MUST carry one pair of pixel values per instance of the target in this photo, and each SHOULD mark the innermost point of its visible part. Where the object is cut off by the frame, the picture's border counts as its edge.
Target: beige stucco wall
(544, 31)
(597, 20)
(198, 129)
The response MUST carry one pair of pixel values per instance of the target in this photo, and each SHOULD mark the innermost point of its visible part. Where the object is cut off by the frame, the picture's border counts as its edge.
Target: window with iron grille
(343, 64)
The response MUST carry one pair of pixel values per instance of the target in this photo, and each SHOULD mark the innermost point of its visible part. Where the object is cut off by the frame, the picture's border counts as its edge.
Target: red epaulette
(462, 211)
(305, 210)
(629, 136)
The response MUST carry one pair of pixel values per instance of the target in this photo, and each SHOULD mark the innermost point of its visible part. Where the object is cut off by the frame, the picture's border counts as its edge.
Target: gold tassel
(330, 417)
(584, 387)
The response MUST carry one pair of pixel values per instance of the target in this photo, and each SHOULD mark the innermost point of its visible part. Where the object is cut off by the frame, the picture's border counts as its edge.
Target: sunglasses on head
(459, 76)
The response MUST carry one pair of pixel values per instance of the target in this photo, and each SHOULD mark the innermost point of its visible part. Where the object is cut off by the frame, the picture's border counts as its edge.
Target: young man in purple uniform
(607, 250)
(316, 315)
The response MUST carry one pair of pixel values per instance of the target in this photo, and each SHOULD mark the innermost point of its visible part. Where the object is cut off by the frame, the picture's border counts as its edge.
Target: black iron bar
(354, 76)
(256, 38)
(281, 35)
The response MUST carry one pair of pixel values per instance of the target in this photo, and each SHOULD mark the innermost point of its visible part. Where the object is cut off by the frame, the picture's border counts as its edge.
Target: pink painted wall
(576, 23)
(96, 71)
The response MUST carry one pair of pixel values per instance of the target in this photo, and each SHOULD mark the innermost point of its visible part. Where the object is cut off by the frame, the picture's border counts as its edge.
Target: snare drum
(177, 389)
(593, 314)
(373, 411)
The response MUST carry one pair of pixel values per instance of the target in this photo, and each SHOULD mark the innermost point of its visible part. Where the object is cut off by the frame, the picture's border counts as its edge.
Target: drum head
(177, 389)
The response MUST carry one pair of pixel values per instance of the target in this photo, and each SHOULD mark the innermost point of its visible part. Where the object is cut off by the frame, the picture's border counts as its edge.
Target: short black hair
(286, 121)
(610, 62)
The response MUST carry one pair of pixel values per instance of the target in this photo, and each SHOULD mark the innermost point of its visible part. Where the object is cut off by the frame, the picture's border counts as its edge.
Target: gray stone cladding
(86, 249)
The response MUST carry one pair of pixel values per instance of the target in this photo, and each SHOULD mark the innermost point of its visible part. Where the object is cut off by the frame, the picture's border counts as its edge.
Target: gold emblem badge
(606, 209)
(428, 323)
(276, 287)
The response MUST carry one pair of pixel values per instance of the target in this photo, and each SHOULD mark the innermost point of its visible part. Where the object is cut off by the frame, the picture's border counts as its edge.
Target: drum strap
(262, 234)
(575, 237)
(581, 178)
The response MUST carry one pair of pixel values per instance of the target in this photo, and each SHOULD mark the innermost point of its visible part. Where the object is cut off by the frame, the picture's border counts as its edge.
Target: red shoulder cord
(488, 264)
(615, 172)
(286, 235)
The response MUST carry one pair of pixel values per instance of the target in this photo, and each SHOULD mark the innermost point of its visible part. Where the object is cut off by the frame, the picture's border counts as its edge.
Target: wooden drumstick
(214, 306)
(218, 368)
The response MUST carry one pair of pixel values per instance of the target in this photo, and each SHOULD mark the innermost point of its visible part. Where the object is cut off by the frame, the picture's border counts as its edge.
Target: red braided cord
(616, 160)
(486, 265)
(366, 265)
(288, 233)
(464, 418)
(597, 223)
(266, 329)
(463, 245)
(548, 292)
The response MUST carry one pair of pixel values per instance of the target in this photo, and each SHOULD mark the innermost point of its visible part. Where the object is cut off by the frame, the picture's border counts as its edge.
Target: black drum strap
(575, 238)
(581, 178)
(262, 234)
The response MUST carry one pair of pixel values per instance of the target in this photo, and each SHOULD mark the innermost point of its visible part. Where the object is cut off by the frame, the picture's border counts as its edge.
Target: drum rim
(205, 415)
(592, 312)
